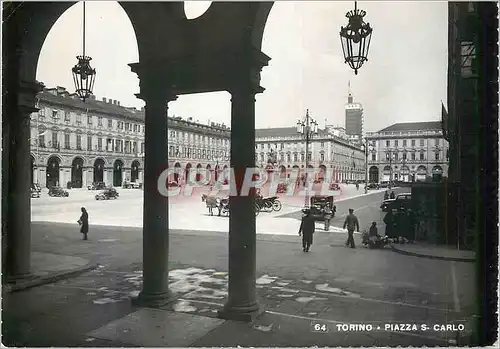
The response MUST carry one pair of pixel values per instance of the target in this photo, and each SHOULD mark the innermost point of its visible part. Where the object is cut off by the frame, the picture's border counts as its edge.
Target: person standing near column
(351, 222)
(306, 229)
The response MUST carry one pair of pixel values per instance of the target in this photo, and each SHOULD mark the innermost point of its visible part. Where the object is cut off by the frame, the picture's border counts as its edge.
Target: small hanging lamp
(355, 39)
(83, 73)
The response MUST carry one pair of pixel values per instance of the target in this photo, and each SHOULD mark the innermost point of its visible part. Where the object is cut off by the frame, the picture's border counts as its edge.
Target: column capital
(246, 66)
(27, 94)
(153, 81)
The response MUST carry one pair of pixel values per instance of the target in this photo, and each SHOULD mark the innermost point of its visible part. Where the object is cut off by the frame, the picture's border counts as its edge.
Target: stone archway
(118, 173)
(177, 172)
(437, 173)
(421, 173)
(134, 171)
(52, 174)
(387, 174)
(373, 174)
(98, 170)
(186, 173)
(322, 173)
(405, 174)
(198, 173)
(282, 171)
(77, 172)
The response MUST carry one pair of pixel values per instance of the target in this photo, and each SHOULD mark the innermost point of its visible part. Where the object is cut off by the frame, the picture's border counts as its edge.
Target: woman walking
(84, 223)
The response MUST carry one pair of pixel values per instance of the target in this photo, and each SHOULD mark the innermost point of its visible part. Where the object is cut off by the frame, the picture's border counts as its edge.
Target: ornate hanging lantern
(355, 39)
(83, 73)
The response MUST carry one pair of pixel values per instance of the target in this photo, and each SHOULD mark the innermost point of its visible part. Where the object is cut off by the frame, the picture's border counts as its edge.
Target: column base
(244, 314)
(148, 300)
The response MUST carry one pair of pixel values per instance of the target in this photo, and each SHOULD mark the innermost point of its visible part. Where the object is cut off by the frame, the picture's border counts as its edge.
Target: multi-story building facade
(81, 143)
(283, 150)
(354, 120)
(407, 152)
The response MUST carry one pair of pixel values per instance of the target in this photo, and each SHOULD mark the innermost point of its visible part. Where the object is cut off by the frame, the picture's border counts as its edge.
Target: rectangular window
(66, 141)
(404, 142)
(41, 139)
(127, 126)
(55, 114)
(322, 157)
(387, 143)
(134, 147)
(322, 144)
(412, 142)
(413, 156)
(54, 139)
(374, 157)
(396, 143)
(142, 147)
(79, 142)
(436, 155)
(422, 142)
(99, 143)
(171, 150)
(67, 116)
(396, 156)
(404, 156)
(41, 112)
(110, 123)
(89, 119)
(78, 119)
(436, 142)
(387, 156)
(99, 121)
(422, 155)
(89, 142)
(127, 146)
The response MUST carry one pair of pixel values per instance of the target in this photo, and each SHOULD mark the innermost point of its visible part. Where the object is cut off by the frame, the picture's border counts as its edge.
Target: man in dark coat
(84, 223)
(386, 195)
(306, 229)
(392, 196)
(390, 224)
(351, 222)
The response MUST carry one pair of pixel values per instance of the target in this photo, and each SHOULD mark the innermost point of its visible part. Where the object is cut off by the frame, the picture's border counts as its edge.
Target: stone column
(242, 302)
(18, 261)
(156, 93)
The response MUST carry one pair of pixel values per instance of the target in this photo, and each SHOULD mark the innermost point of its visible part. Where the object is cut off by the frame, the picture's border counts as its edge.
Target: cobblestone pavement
(330, 284)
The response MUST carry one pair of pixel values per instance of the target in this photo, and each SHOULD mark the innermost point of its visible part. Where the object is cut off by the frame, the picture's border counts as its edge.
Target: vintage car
(107, 194)
(131, 185)
(373, 185)
(318, 204)
(401, 200)
(34, 193)
(97, 186)
(334, 186)
(58, 192)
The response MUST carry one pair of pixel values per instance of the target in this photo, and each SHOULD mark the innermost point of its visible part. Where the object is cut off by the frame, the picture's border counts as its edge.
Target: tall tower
(353, 118)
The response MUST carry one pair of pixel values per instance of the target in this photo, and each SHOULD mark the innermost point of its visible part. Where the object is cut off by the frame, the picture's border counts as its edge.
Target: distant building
(283, 150)
(102, 141)
(354, 120)
(408, 152)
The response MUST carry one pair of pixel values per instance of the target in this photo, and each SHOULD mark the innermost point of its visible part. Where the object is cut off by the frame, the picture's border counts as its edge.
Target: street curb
(48, 279)
(421, 255)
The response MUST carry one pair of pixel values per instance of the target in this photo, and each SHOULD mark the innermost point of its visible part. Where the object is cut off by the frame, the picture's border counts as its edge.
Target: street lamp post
(368, 147)
(307, 128)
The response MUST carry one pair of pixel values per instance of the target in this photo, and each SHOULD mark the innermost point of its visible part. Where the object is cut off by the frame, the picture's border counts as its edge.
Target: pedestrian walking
(392, 195)
(328, 216)
(351, 222)
(386, 195)
(84, 223)
(306, 229)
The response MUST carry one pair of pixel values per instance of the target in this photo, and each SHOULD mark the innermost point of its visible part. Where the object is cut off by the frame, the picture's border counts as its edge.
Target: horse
(211, 202)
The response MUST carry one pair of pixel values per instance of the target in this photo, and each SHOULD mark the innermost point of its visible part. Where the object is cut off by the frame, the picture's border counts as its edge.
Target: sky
(404, 79)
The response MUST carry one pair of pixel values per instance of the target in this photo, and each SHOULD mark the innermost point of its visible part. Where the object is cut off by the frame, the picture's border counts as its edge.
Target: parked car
(401, 200)
(334, 186)
(373, 185)
(107, 194)
(318, 203)
(58, 192)
(131, 185)
(97, 186)
(35, 193)
(384, 184)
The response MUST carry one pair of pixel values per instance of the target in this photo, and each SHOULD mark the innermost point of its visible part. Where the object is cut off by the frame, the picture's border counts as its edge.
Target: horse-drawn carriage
(222, 204)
